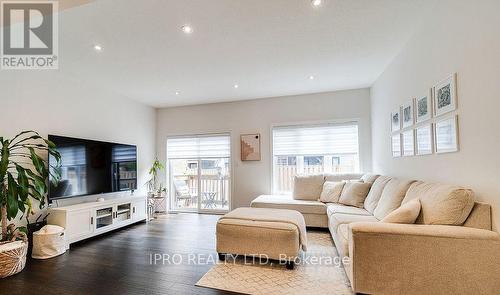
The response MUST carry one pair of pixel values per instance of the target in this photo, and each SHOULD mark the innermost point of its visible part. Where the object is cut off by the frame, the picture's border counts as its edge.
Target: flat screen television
(90, 167)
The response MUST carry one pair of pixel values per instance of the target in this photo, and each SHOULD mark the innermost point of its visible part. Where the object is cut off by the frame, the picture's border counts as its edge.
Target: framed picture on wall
(423, 135)
(423, 107)
(396, 120)
(408, 140)
(250, 147)
(396, 145)
(408, 116)
(446, 135)
(445, 96)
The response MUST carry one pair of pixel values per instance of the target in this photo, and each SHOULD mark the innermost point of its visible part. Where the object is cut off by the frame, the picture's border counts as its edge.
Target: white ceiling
(268, 47)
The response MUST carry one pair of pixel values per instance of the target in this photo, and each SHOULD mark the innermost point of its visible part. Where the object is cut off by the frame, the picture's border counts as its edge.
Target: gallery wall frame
(408, 143)
(446, 135)
(423, 107)
(424, 139)
(408, 114)
(445, 95)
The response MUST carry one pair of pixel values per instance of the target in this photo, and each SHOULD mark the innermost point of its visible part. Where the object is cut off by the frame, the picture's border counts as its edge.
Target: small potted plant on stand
(156, 192)
(23, 179)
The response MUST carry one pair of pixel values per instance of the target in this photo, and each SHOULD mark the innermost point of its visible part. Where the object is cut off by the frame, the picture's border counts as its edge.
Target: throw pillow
(308, 187)
(331, 191)
(407, 213)
(354, 194)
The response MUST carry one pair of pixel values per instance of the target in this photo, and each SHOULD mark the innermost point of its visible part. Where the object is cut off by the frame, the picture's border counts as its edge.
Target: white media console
(82, 221)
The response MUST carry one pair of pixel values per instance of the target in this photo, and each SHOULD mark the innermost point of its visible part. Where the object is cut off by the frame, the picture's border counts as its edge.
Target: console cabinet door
(139, 210)
(79, 224)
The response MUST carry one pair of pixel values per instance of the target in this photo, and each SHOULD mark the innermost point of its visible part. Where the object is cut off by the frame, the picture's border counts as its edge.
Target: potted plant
(23, 179)
(155, 189)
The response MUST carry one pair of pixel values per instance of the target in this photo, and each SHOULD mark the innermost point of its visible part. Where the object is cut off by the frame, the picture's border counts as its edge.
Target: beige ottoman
(276, 234)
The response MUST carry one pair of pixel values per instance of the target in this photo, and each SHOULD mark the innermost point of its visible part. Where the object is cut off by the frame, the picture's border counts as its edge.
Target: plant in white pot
(23, 178)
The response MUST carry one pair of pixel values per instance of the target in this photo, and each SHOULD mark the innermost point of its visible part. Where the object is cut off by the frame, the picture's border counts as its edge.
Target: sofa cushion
(286, 202)
(308, 187)
(369, 177)
(337, 219)
(339, 208)
(331, 191)
(373, 197)
(342, 176)
(406, 214)
(441, 203)
(392, 196)
(354, 194)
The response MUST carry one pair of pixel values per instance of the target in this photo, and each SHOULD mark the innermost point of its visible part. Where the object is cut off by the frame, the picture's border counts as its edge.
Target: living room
(247, 129)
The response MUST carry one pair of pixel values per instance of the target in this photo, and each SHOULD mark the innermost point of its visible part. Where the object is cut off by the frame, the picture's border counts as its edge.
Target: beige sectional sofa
(450, 249)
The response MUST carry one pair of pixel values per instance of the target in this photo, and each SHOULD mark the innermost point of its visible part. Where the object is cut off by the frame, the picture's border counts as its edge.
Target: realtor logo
(29, 35)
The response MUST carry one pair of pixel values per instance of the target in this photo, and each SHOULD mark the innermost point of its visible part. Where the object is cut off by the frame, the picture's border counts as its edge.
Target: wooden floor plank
(119, 262)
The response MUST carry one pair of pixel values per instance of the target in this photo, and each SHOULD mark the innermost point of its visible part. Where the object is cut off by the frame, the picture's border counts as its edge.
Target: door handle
(91, 220)
(133, 210)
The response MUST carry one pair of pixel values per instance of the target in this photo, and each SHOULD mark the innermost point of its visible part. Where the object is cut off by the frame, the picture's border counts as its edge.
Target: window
(199, 172)
(308, 149)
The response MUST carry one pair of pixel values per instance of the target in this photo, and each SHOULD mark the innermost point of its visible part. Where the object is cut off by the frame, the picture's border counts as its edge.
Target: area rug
(318, 272)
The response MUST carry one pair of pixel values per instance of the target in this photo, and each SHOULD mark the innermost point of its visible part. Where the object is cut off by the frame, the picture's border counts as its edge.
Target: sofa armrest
(391, 258)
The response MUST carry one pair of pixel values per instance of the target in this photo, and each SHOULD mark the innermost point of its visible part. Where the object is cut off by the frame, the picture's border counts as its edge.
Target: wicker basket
(12, 257)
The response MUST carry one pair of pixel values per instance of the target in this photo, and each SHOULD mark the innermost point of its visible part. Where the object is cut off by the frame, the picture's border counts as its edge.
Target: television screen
(91, 167)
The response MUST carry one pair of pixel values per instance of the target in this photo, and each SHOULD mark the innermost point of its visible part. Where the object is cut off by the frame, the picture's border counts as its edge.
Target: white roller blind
(213, 146)
(124, 153)
(315, 139)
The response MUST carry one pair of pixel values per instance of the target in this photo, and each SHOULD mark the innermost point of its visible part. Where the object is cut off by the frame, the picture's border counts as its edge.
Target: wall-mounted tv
(91, 167)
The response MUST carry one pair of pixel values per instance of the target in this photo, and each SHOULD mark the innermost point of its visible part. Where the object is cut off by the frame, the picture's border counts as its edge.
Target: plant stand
(12, 257)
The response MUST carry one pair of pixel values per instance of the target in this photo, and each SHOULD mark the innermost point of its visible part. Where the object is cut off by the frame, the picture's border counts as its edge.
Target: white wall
(46, 102)
(461, 37)
(251, 179)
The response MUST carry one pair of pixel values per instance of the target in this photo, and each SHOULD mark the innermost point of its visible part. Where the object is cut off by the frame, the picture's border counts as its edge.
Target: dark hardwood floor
(120, 262)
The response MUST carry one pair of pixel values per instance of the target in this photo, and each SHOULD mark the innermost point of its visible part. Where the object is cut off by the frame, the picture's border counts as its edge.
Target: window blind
(325, 139)
(206, 146)
(124, 153)
(72, 156)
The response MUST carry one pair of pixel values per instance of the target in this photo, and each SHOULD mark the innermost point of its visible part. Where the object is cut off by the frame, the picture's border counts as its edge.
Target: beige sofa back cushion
(369, 177)
(375, 193)
(392, 195)
(340, 177)
(331, 191)
(308, 187)
(441, 203)
(354, 193)
(406, 214)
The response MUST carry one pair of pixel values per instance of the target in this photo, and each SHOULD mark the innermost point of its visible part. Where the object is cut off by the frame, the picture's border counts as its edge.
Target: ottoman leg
(290, 265)
(222, 256)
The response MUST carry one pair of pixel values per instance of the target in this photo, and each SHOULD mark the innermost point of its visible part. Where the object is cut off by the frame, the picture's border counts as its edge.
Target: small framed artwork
(250, 147)
(396, 145)
(396, 120)
(423, 107)
(424, 140)
(446, 135)
(407, 110)
(445, 96)
(408, 139)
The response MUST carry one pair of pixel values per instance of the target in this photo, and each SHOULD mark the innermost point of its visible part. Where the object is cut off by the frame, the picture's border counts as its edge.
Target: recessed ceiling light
(177, 93)
(97, 47)
(316, 3)
(311, 77)
(187, 29)
(236, 86)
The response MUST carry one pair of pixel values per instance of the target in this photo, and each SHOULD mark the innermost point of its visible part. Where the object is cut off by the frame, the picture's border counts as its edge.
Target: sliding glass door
(199, 173)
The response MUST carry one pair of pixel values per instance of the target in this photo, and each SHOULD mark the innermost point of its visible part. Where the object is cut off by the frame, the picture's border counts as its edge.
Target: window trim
(338, 122)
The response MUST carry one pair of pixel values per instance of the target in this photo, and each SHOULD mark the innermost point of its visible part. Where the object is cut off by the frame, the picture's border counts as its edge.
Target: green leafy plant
(153, 182)
(23, 176)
